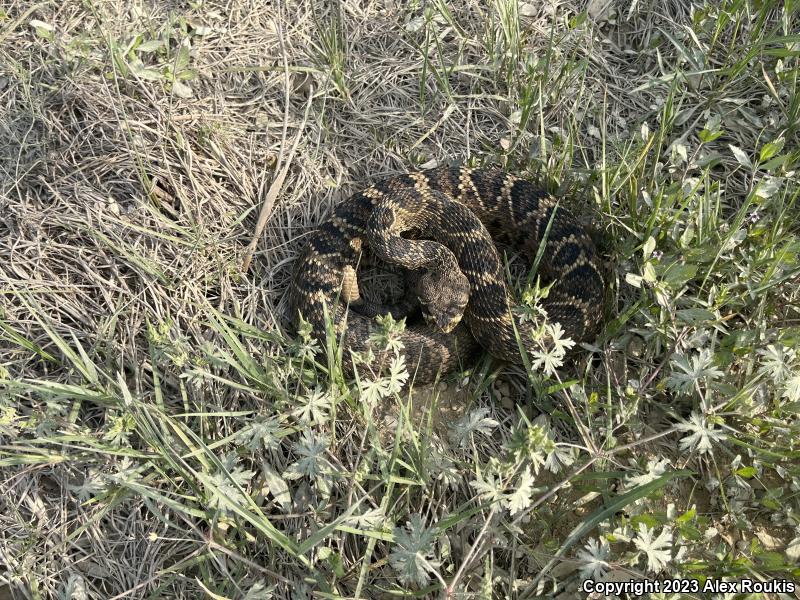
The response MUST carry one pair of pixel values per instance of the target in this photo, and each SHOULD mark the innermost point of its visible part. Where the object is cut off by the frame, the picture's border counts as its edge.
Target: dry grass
(127, 204)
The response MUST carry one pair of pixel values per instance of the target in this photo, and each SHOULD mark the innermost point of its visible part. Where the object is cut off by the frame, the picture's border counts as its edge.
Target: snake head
(444, 321)
(444, 296)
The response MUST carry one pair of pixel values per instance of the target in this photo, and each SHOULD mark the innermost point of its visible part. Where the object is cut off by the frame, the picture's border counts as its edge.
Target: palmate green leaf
(263, 433)
(791, 389)
(594, 557)
(656, 548)
(520, 498)
(311, 462)
(260, 591)
(313, 408)
(688, 370)
(412, 553)
(776, 361)
(231, 478)
(474, 422)
(489, 487)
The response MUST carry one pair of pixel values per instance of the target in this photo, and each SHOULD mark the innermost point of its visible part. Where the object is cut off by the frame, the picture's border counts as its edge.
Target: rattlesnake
(448, 218)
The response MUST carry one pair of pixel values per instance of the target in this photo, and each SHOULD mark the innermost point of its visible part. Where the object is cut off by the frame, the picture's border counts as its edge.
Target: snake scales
(441, 224)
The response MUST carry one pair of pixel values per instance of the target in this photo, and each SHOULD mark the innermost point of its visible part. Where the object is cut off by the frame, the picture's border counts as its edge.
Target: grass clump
(163, 435)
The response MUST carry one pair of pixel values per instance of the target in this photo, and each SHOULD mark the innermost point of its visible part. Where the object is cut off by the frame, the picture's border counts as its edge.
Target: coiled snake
(441, 223)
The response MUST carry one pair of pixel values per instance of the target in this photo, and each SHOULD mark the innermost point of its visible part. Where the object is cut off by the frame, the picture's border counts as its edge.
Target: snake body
(444, 223)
